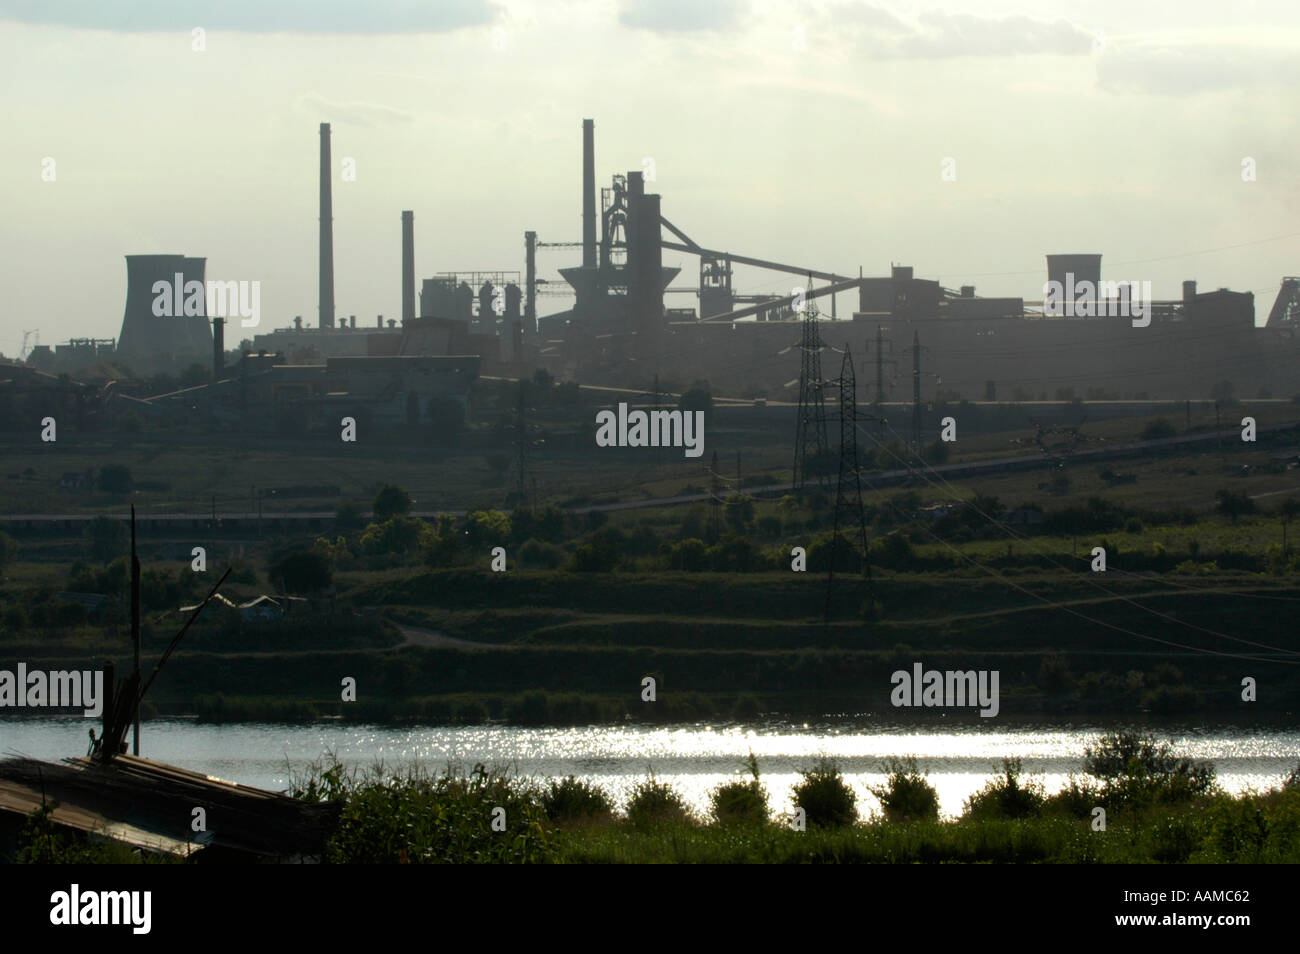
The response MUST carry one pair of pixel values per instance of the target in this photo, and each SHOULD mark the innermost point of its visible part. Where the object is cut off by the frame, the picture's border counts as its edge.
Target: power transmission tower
(848, 487)
(810, 432)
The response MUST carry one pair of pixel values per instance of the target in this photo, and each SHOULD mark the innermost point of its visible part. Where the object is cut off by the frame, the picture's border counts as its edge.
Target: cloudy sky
(809, 132)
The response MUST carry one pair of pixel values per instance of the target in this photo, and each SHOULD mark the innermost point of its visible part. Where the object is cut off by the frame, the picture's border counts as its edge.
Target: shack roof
(150, 805)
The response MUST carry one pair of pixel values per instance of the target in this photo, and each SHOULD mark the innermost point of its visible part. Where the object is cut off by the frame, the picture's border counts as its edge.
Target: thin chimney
(326, 232)
(588, 194)
(408, 266)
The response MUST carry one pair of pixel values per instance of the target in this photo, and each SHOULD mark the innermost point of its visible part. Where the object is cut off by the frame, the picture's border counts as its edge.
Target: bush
(1004, 797)
(1233, 505)
(538, 555)
(907, 796)
(1077, 800)
(1137, 769)
(419, 819)
(825, 797)
(653, 802)
(397, 535)
(572, 799)
(741, 801)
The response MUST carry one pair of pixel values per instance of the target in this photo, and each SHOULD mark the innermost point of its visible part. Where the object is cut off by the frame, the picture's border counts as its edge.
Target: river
(695, 758)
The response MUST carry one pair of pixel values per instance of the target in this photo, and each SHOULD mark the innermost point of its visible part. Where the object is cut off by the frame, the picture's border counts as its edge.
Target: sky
(967, 140)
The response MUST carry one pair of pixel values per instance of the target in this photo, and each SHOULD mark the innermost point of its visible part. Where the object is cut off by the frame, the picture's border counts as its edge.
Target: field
(712, 602)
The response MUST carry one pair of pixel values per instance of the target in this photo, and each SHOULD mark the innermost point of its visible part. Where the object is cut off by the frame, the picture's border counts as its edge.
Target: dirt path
(432, 639)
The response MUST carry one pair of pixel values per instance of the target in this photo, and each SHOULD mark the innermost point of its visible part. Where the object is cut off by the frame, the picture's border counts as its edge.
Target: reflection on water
(694, 758)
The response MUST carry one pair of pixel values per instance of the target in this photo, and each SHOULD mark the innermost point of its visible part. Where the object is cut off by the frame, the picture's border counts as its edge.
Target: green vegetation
(907, 796)
(826, 799)
(741, 801)
(1007, 797)
(653, 803)
(415, 818)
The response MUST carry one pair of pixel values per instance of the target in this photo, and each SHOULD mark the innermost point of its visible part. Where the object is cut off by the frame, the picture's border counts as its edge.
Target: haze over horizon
(812, 133)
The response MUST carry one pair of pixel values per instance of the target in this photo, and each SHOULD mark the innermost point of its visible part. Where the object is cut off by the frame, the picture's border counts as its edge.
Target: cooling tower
(172, 333)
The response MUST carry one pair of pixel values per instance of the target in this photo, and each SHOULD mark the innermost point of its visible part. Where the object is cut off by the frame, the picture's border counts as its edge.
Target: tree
(490, 527)
(397, 535)
(108, 538)
(115, 479)
(305, 572)
(1233, 505)
(391, 502)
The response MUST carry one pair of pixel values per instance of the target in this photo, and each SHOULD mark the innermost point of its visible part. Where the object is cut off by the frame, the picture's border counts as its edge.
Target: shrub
(539, 555)
(572, 799)
(1136, 769)
(391, 502)
(741, 801)
(1006, 797)
(419, 819)
(653, 801)
(906, 796)
(1076, 800)
(825, 797)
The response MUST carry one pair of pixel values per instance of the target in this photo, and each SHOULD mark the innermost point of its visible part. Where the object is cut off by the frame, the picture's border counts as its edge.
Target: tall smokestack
(218, 348)
(326, 232)
(588, 194)
(408, 266)
(530, 283)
